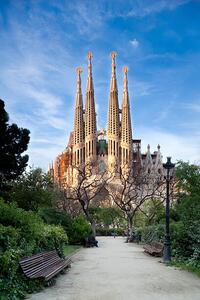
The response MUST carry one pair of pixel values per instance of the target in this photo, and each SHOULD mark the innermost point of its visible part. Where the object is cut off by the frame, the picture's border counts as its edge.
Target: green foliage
(57, 217)
(186, 240)
(188, 177)
(185, 219)
(77, 229)
(13, 142)
(33, 190)
(110, 231)
(152, 233)
(152, 212)
(107, 216)
(81, 229)
(187, 267)
(23, 233)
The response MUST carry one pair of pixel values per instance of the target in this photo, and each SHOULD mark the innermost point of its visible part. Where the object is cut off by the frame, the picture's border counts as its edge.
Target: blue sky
(42, 43)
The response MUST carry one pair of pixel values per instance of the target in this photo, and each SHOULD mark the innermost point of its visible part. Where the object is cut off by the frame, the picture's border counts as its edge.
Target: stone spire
(90, 116)
(113, 121)
(126, 128)
(148, 162)
(78, 151)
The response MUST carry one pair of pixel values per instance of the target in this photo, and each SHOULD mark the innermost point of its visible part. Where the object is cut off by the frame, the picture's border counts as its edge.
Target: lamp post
(168, 166)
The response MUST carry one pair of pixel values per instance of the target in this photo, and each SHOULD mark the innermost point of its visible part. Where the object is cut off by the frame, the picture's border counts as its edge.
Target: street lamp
(168, 166)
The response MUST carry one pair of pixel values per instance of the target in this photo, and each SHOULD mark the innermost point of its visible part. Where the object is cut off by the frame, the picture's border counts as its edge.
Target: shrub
(109, 231)
(23, 233)
(81, 229)
(152, 233)
(56, 217)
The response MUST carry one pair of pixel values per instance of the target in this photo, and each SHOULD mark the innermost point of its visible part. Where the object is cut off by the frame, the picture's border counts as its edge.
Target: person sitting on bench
(90, 241)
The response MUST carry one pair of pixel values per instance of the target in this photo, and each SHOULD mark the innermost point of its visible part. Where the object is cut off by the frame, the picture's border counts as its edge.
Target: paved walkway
(120, 271)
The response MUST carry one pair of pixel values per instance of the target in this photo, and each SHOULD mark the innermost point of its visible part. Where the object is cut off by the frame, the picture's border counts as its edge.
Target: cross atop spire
(89, 86)
(113, 85)
(113, 56)
(78, 70)
(90, 56)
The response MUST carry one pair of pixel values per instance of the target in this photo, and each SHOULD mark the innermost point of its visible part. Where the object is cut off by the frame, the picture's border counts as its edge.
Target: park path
(121, 271)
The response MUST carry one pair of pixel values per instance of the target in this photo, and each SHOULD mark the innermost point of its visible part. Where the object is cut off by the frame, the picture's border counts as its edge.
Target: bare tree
(130, 191)
(65, 203)
(85, 190)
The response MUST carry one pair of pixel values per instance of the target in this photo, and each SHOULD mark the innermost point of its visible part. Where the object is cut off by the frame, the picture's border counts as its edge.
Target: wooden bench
(43, 265)
(155, 249)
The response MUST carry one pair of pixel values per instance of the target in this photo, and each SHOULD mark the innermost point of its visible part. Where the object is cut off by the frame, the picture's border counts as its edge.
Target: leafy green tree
(107, 216)
(13, 142)
(81, 229)
(186, 240)
(154, 212)
(188, 178)
(33, 190)
(112, 216)
(54, 216)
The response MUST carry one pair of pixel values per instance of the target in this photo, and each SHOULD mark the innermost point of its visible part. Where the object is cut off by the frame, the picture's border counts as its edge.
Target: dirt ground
(120, 271)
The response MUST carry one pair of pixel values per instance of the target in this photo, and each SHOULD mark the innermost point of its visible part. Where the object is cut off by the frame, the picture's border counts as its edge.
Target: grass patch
(69, 249)
(185, 267)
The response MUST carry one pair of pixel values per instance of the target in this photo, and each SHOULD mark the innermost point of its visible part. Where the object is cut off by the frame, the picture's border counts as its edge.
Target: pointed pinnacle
(78, 70)
(113, 84)
(89, 86)
(113, 56)
(89, 63)
(125, 70)
(90, 56)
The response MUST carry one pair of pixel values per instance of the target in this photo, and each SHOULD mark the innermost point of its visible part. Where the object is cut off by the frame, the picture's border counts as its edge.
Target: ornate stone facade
(113, 150)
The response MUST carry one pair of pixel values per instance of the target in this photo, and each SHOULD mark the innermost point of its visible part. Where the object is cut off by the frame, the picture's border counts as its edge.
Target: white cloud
(195, 107)
(141, 88)
(145, 8)
(135, 43)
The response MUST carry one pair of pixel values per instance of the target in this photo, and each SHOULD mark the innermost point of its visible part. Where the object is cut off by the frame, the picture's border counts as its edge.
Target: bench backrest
(157, 245)
(31, 265)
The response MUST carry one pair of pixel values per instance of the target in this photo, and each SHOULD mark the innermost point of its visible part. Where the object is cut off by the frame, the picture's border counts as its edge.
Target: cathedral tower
(126, 129)
(90, 117)
(113, 121)
(79, 145)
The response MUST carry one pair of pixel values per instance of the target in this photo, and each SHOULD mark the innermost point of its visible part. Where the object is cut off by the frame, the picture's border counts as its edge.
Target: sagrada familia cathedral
(114, 149)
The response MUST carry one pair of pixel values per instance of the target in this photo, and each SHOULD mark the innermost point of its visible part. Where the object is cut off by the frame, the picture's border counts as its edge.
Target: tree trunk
(93, 228)
(130, 229)
(91, 221)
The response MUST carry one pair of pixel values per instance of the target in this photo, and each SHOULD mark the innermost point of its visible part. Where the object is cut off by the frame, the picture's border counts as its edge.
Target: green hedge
(77, 229)
(80, 229)
(109, 231)
(23, 233)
